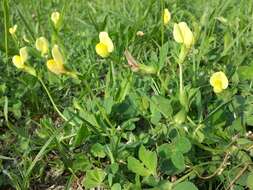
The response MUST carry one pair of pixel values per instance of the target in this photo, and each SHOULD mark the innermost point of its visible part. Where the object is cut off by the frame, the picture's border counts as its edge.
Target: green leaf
(82, 133)
(165, 150)
(98, 150)
(183, 145)
(137, 167)
(114, 167)
(94, 178)
(90, 118)
(250, 181)
(148, 158)
(108, 103)
(116, 186)
(150, 181)
(164, 185)
(185, 185)
(124, 89)
(162, 105)
(80, 163)
(177, 159)
(245, 72)
(155, 117)
(200, 136)
(163, 55)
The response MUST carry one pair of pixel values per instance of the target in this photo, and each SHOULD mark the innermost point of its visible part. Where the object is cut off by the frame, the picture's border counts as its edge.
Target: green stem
(183, 177)
(181, 82)
(5, 10)
(162, 25)
(51, 99)
(97, 104)
(215, 110)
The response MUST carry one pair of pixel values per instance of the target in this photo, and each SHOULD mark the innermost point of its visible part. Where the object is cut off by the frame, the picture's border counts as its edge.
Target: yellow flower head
(140, 33)
(183, 34)
(55, 17)
(166, 16)
(219, 81)
(19, 60)
(105, 46)
(13, 29)
(42, 45)
(56, 65)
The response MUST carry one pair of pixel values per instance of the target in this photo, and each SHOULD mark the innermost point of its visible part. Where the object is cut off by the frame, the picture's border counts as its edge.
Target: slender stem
(183, 177)
(230, 186)
(5, 9)
(181, 59)
(51, 99)
(162, 25)
(219, 169)
(181, 83)
(215, 110)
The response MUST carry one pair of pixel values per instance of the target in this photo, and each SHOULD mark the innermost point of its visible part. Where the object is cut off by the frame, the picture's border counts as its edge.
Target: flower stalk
(51, 100)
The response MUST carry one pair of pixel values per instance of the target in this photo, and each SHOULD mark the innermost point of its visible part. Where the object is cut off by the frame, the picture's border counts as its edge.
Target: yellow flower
(166, 16)
(55, 17)
(105, 46)
(42, 45)
(140, 33)
(183, 34)
(13, 29)
(19, 60)
(56, 65)
(219, 82)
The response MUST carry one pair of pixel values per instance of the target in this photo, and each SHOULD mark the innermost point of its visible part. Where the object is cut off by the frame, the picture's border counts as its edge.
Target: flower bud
(166, 16)
(55, 17)
(42, 45)
(183, 34)
(13, 29)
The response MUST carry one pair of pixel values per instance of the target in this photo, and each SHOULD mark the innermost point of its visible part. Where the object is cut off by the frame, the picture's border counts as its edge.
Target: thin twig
(222, 165)
(230, 186)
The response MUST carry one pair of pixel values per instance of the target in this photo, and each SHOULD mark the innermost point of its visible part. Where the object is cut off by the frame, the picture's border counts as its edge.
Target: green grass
(117, 129)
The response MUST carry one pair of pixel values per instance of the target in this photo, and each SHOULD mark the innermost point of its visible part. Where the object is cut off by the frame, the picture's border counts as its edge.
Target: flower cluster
(181, 32)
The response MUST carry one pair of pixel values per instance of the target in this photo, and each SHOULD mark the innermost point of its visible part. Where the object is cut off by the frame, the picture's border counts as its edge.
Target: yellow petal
(55, 17)
(13, 29)
(42, 45)
(187, 34)
(183, 34)
(213, 79)
(224, 80)
(217, 89)
(55, 68)
(178, 36)
(57, 55)
(106, 40)
(219, 81)
(18, 62)
(166, 16)
(140, 33)
(23, 54)
(102, 50)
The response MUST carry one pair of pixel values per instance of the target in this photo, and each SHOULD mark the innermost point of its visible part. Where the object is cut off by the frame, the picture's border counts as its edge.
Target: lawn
(126, 94)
